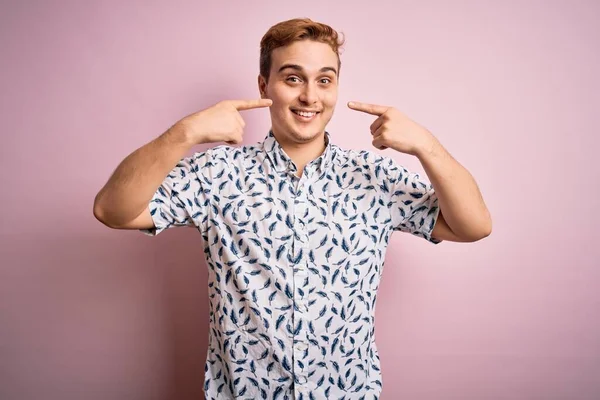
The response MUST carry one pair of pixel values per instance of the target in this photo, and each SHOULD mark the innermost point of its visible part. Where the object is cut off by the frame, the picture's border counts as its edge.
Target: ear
(262, 87)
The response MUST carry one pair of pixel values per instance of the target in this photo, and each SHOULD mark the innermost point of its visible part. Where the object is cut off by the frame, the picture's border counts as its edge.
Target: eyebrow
(299, 68)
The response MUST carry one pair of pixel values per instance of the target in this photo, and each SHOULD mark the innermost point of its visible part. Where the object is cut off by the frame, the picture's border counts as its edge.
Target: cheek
(330, 101)
(281, 104)
(279, 110)
(278, 92)
(330, 97)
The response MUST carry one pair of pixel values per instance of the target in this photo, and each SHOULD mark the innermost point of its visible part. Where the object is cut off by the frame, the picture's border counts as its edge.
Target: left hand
(395, 130)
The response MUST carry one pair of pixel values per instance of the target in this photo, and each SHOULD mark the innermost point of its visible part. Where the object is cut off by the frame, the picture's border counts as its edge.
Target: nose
(309, 94)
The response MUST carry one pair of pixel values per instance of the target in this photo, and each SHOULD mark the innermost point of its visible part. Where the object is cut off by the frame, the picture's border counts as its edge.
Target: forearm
(459, 197)
(132, 185)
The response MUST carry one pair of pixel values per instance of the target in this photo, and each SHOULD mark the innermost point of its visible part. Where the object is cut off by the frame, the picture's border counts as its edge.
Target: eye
(293, 79)
(325, 80)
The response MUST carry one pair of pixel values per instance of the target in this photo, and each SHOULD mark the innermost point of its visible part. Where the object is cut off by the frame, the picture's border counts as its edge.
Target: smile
(305, 115)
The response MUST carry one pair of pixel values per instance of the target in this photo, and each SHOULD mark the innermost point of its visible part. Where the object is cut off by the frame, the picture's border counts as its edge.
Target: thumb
(378, 143)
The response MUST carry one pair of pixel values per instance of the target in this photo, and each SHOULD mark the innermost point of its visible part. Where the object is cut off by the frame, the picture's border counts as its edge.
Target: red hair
(293, 30)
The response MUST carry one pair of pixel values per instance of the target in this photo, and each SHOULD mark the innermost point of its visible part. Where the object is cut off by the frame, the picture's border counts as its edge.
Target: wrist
(427, 148)
(181, 134)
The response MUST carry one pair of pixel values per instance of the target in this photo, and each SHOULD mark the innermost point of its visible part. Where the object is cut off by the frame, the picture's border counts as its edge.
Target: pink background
(510, 88)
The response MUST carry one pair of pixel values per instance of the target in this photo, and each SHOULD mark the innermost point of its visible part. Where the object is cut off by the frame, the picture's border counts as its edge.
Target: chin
(298, 133)
(307, 134)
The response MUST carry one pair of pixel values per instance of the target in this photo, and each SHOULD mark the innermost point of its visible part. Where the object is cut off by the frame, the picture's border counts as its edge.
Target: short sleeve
(182, 197)
(413, 204)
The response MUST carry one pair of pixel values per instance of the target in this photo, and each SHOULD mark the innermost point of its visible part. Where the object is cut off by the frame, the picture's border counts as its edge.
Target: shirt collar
(283, 163)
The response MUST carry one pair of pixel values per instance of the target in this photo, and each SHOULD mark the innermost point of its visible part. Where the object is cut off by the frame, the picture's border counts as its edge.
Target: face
(303, 86)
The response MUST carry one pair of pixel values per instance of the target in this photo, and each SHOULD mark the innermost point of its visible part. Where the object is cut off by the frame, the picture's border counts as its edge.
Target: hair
(293, 30)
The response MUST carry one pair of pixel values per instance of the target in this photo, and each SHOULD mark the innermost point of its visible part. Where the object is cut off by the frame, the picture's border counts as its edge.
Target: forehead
(310, 55)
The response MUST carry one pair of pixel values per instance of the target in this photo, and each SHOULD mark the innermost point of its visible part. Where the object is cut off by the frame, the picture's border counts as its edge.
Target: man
(295, 228)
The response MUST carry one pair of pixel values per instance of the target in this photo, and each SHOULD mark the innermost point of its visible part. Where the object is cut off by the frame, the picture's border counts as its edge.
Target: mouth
(303, 115)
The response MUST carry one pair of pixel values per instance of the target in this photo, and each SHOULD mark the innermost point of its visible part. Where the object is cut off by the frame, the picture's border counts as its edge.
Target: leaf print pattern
(294, 263)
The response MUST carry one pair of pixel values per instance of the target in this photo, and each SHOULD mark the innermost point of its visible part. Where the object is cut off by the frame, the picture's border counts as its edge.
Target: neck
(303, 153)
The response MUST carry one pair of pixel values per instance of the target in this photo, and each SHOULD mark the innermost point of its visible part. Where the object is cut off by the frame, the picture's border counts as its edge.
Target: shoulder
(225, 156)
(367, 161)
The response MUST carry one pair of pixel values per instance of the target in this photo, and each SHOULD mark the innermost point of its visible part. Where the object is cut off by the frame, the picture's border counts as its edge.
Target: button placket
(300, 275)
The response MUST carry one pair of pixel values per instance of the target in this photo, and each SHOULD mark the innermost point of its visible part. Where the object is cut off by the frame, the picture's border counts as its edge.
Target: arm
(463, 215)
(123, 202)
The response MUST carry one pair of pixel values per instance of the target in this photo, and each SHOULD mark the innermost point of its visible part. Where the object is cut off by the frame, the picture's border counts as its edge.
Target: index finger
(250, 104)
(372, 109)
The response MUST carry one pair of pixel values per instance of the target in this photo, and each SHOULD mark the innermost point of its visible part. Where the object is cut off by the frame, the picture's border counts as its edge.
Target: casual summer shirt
(294, 263)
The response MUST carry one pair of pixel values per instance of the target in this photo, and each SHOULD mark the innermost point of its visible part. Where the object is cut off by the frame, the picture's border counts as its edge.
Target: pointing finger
(241, 105)
(372, 109)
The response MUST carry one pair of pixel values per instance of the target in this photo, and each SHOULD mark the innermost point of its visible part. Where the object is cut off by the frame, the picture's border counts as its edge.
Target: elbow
(487, 226)
(485, 230)
(475, 231)
(100, 213)
(474, 236)
(483, 234)
(488, 229)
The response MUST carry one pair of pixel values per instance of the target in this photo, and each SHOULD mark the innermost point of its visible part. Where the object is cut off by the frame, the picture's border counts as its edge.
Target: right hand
(221, 122)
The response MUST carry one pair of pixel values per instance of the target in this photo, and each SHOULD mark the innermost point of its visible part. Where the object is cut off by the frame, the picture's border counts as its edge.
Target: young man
(295, 228)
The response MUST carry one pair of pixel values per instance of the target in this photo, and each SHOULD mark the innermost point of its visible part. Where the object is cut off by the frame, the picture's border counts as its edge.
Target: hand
(221, 122)
(394, 129)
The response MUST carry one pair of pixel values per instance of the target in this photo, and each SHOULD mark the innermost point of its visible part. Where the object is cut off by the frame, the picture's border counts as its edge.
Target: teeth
(305, 114)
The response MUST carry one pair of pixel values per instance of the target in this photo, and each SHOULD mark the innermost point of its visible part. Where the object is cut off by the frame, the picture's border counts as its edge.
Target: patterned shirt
(294, 263)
